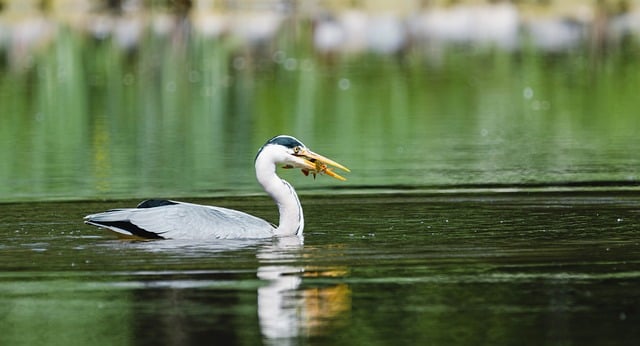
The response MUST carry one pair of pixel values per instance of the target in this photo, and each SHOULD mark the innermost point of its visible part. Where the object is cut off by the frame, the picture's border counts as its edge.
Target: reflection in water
(277, 309)
(326, 308)
(86, 119)
(185, 303)
(277, 312)
(187, 248)
(285, 310)
(548, 268)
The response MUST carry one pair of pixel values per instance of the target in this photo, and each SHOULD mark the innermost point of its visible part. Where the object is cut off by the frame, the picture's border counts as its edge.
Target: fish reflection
(286, 310)
(177, 292)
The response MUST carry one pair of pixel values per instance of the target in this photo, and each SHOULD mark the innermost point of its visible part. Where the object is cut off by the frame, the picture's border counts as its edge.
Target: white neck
(291, 217)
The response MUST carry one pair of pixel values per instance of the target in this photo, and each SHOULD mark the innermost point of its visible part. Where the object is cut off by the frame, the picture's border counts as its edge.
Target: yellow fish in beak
(317, 164)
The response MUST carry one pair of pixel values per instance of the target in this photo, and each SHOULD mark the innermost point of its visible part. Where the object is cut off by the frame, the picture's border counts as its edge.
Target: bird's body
(178, 220)
(165, 219)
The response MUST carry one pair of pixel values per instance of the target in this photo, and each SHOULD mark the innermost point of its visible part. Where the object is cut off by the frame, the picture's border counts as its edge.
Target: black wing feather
(129, 227)
(153, 203)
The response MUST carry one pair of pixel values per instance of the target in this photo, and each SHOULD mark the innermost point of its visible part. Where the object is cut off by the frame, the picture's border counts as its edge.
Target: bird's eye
(296, 150)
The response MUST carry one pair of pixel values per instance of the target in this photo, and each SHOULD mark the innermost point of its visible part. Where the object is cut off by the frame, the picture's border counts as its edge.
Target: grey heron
(167, 219)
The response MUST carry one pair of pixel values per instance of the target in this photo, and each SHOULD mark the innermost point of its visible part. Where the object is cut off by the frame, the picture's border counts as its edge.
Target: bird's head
(291, 153)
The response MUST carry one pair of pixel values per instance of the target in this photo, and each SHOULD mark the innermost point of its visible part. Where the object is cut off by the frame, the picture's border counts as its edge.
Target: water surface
(506, 268)
(88, 120)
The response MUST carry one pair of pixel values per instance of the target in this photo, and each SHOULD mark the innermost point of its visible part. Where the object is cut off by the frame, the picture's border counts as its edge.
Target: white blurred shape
(387, 34)
(127, 31)
(328, 36)
(210, 24)
(555, 34)
(496, 24)
(256, 27)
(355, 25)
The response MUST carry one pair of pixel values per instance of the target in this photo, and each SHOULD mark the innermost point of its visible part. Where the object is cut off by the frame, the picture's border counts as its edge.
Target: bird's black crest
(284, 140)
(152, 203)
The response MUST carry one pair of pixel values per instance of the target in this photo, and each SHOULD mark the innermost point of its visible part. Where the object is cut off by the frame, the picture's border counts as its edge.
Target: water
(90, 120)
(493, 196)
(532, 268)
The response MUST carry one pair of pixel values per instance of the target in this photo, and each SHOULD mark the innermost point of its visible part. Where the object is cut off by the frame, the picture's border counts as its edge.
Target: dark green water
(482, 268)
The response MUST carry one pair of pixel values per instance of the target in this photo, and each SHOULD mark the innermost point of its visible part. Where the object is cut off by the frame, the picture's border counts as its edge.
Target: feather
(178, 220)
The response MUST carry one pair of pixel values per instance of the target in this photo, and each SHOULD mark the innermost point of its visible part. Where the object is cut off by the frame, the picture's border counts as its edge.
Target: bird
(168, 219)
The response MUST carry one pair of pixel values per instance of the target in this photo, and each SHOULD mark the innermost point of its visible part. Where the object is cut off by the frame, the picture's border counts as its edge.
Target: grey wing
(183, 221)
(205, 222)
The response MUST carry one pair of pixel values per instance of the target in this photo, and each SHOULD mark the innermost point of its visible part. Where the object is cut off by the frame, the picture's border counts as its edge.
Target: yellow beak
(318, 164)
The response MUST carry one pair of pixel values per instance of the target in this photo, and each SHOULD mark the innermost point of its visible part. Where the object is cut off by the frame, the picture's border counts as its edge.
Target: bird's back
(163, 219)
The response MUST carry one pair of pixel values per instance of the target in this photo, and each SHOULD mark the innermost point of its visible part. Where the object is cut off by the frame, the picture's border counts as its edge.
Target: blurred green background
(114, 99)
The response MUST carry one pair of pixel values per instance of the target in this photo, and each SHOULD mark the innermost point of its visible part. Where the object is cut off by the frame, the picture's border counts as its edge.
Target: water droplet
(194, 76)
(306, 65)
(128, 79)
(239, 63)
(545, 105)
(527, 93)
(290, 64)
(344, 84)
(619, 219)
(535, 105)
(279, 56)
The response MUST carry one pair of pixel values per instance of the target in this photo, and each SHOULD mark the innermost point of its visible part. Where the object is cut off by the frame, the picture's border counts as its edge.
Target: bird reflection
(286, 310)
(294, 300)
